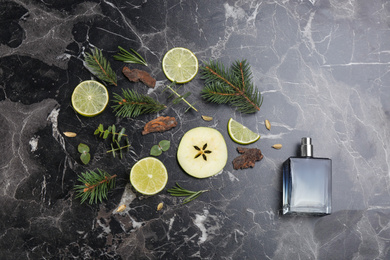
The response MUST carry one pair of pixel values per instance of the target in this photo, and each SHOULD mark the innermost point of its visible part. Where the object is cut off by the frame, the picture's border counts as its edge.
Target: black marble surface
(322, 67)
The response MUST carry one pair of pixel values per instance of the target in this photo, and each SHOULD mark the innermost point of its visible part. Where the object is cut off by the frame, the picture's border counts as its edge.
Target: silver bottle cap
(306, 147)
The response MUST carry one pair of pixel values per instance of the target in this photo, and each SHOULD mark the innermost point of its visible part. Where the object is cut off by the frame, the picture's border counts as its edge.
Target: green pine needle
(95, 186)
(231, 86)
(128, 57)
(133, 104)
(100, 67)
(179, 191)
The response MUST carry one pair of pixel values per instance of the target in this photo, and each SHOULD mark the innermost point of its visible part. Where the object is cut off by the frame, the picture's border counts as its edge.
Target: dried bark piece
(160, 124)
(247, 158)
(137, 75)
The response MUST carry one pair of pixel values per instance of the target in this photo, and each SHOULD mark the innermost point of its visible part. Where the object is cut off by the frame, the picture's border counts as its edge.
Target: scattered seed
(121, 208)
(277, 146)
(160, 206)
(70, 134)
(207, 118)
(267, 124)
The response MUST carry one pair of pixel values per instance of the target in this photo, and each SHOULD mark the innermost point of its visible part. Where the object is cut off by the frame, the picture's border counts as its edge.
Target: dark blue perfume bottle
(307, 183)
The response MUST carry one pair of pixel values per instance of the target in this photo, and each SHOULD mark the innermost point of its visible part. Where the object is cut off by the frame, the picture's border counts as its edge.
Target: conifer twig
(95, 186)
(127, 57)
(132, 104)
(232, 86)
(100, 67)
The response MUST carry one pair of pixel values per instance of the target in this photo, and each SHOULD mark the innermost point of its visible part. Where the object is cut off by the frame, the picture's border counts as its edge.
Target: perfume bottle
(307, 183)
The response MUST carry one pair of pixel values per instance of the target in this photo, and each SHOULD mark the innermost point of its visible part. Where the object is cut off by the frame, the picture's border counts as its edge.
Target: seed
(207, 118)
(277, 146)
(160, 206)
(267, 124)
(121, 208)
(70, 134)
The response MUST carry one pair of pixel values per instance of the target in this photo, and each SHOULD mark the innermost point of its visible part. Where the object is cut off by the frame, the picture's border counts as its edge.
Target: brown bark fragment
(136, 75)
(160, 124)
(247, 158)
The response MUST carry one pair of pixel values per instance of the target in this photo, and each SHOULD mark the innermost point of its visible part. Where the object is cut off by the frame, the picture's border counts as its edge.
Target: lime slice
(180, 65)
(89, 98)
(240, 133)
(149, 176)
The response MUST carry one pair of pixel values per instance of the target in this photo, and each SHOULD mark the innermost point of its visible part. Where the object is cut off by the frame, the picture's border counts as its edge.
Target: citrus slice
(240, 133)
(149, 176)
(89, 98)
(180, 65)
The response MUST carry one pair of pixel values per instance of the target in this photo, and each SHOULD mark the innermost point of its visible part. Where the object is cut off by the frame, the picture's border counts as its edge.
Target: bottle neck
(306, 147)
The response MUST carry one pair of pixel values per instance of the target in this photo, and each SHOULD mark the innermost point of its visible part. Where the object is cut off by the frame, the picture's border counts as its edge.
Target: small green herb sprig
(100, 67)
(128, 57)
(162, 146)
(95, 186)
(116, 139)
(180, 97)
(85, 155)
(133, 104)
(179, 191)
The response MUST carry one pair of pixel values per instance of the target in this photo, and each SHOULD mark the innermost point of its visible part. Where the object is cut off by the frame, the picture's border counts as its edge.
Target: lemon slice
(240, 133)
(180, 65)
(90, 98)
(149, 176)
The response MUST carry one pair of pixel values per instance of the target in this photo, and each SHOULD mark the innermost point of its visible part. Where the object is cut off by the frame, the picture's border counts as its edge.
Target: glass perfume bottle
(307, 183)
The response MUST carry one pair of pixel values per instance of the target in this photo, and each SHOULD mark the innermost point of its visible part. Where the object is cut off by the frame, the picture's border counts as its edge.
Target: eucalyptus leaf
(85, 157)
(164, 144)
(121, 133)
(113, 132)
(155, 151)
(83, 148)
(106, 133)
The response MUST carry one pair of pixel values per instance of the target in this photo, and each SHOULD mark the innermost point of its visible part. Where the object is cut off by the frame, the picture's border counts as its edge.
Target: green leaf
(121, 133)
(164, 144)
(113, 132)
(113, 150)
(106, 133)
(83, 148)
(96, 132)
(155, 151)
(101, 128)
(85, 157)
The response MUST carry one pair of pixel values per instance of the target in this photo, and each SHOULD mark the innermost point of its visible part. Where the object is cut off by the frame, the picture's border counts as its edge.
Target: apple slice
(202, 152)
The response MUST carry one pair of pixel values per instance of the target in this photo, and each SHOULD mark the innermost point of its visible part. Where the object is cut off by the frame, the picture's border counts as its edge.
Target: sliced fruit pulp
(240, 133)
(149, 176)
(90, 98)
(202, 152)
(180, 65)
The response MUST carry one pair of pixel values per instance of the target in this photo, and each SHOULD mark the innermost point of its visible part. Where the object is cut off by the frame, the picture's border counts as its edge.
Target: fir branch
(132, 104)
(128, 57)
(232, 86)
(95, 186)
(100, 67)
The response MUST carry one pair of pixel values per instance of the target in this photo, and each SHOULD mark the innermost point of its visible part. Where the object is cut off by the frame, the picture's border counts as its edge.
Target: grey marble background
(322, 67)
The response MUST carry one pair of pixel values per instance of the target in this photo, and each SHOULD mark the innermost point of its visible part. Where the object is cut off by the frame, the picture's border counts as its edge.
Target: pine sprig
(128, 57)
(179, 191)
(95, 186)
(100, 67)
(231, 86)
(132, 104)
